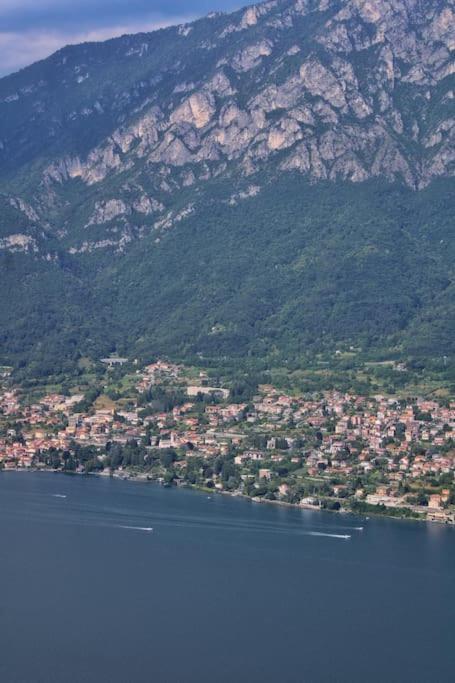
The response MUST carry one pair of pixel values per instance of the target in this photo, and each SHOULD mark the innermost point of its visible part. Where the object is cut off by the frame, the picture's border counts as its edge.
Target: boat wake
(136, 528)
(321, 533)
(58, 495)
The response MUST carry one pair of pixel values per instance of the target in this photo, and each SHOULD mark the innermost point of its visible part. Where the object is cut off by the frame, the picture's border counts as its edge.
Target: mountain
(270, 182)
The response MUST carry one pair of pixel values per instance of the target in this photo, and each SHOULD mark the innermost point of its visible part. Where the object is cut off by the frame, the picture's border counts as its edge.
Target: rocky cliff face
(127, 134)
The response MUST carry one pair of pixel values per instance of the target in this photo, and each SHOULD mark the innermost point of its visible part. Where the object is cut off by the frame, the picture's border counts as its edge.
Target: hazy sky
(32, 29)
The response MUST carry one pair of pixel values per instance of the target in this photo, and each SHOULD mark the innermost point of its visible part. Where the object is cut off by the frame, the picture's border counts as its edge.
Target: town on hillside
(331, 450)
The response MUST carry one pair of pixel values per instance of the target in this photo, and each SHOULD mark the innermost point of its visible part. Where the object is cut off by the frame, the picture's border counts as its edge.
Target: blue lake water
(220, 590)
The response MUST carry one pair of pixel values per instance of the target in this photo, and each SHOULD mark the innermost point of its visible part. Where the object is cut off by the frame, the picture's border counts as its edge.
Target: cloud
(19, 49)
(18, 15)
(33, 29)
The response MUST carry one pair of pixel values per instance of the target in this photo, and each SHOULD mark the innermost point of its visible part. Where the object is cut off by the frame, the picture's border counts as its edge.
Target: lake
(105, 581)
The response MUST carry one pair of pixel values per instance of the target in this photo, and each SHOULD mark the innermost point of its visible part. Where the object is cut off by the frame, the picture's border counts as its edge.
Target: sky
(33, 29)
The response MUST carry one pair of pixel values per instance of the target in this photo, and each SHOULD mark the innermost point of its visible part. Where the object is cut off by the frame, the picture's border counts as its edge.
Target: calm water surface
(220, 590)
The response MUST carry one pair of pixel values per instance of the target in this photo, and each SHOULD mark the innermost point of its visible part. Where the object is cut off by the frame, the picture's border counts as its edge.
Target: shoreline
(146, 479)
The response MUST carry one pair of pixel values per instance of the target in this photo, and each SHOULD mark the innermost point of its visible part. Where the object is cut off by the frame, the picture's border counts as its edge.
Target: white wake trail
(321, 533)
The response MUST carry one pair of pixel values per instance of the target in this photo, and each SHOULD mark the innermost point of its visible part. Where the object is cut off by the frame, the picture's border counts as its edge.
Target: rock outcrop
(332, 89)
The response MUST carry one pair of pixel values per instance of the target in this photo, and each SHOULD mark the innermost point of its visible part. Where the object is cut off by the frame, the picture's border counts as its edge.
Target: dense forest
(298, 269)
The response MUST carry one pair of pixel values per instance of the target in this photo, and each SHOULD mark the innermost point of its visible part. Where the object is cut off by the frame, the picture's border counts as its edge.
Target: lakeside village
(333, 451)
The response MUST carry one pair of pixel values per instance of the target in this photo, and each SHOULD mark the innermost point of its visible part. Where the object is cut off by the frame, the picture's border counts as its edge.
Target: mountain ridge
(110, 151)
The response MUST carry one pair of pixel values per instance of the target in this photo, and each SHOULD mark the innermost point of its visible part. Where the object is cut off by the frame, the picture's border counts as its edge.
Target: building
(113, 361)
